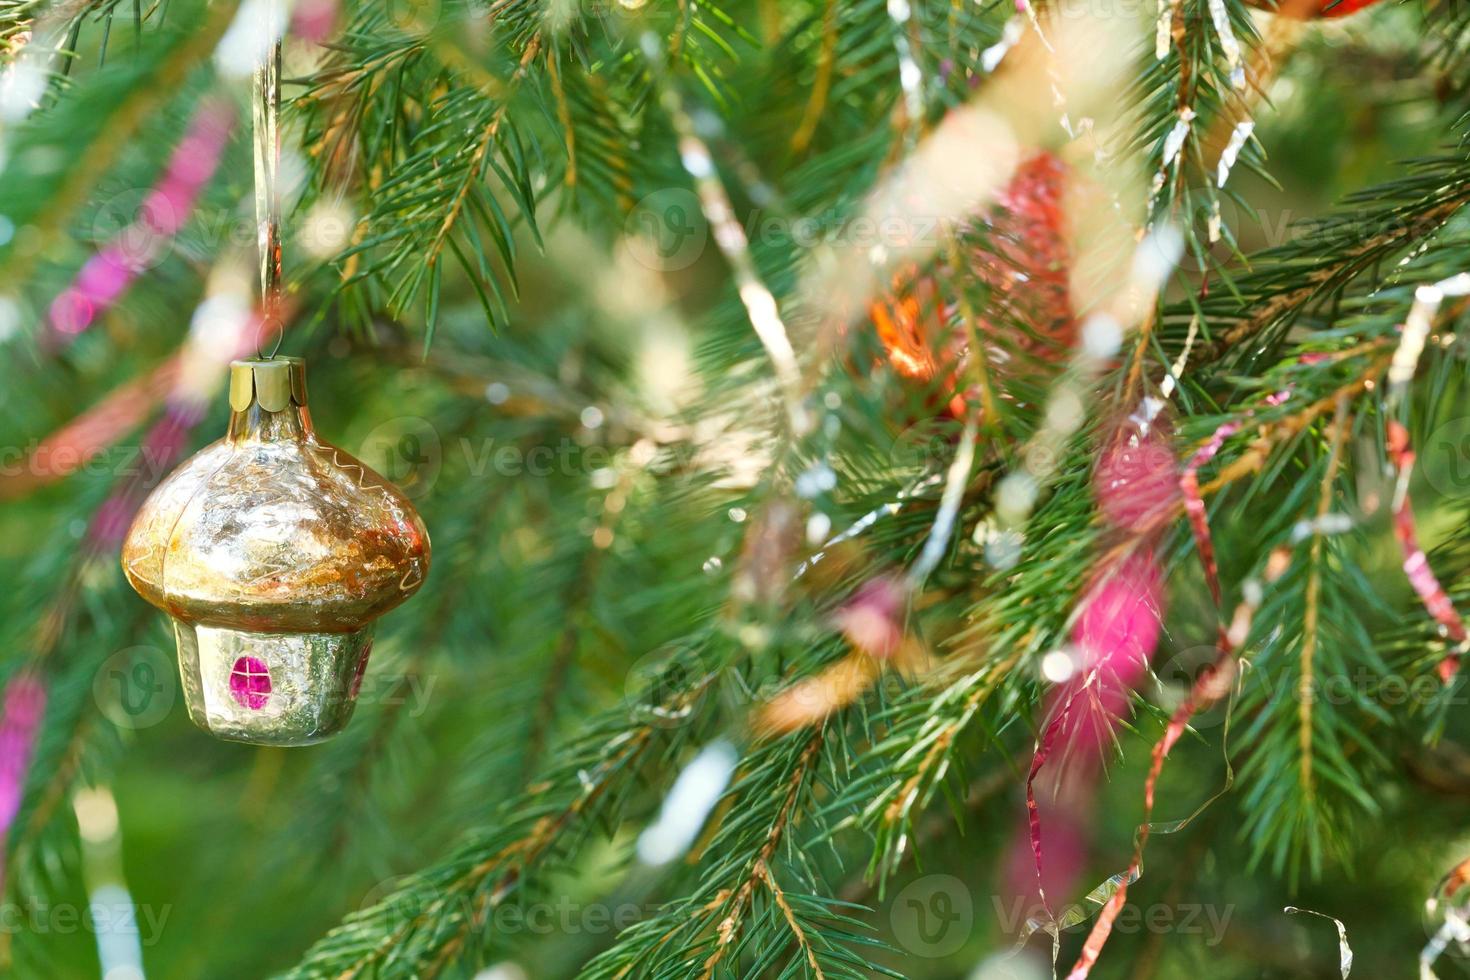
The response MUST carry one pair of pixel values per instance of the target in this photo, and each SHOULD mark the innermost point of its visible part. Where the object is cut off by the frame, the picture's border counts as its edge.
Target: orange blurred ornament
(911, 327)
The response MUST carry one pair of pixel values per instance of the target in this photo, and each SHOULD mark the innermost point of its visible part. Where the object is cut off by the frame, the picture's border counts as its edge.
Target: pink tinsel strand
(108, 274)
(1416, 563)
(1068, 809)
(176, 379)
(1136, 483)
(25, 702)
(1208, 688)
(1194, 507)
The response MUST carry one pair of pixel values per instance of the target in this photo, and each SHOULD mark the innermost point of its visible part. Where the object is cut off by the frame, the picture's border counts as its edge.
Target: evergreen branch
(726, 918)
(565, 649)
(95, 123)
(729, 927)
(564, 116)
(922, 739)
(1278, 432)
(1198, 81)
(482, 147)
(448, 903)
(526, 850)
(922, 729)
(769, 879)
(1447, 27)
(552, 120)
(1366, 230)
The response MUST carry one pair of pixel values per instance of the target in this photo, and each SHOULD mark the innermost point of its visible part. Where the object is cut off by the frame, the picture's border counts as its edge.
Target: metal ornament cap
(273, 552)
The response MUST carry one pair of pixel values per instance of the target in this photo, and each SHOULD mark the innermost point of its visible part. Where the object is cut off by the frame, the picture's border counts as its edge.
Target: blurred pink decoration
(1113, 637)
(81, 441)
(313, 20)
(870, 619)
(1111, 644)
(1137, 479)
(25, 703)
(1119, 625)
(1112, 640)
(186, 381)
(108, 274)
(162, 447)
(1066, 808)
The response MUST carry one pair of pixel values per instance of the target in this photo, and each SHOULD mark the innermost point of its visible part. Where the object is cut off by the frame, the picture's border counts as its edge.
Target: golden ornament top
(273, 382)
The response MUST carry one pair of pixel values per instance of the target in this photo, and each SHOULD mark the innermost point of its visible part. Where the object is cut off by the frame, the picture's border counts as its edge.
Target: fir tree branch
(95, 123)
(738, 903)
(449, 903)
(779, 897)
(1327, 256)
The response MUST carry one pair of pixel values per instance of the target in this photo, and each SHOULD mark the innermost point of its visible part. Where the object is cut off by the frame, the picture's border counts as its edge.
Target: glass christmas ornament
(273, 552)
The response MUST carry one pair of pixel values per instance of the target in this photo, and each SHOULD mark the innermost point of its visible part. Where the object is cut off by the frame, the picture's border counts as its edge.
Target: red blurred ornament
(1311, 9)
(1025, 268)
(1029, 266)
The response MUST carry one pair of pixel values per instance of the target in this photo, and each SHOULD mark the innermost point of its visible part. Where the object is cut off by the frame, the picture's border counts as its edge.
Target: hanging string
(266, 111)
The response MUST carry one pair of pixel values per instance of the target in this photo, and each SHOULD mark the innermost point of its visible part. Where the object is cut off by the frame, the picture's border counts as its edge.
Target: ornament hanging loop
(266, 112)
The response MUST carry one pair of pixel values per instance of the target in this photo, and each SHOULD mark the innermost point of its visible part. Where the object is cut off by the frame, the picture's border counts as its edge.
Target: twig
(822, 85)
(764, 871)
(1306, 682)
